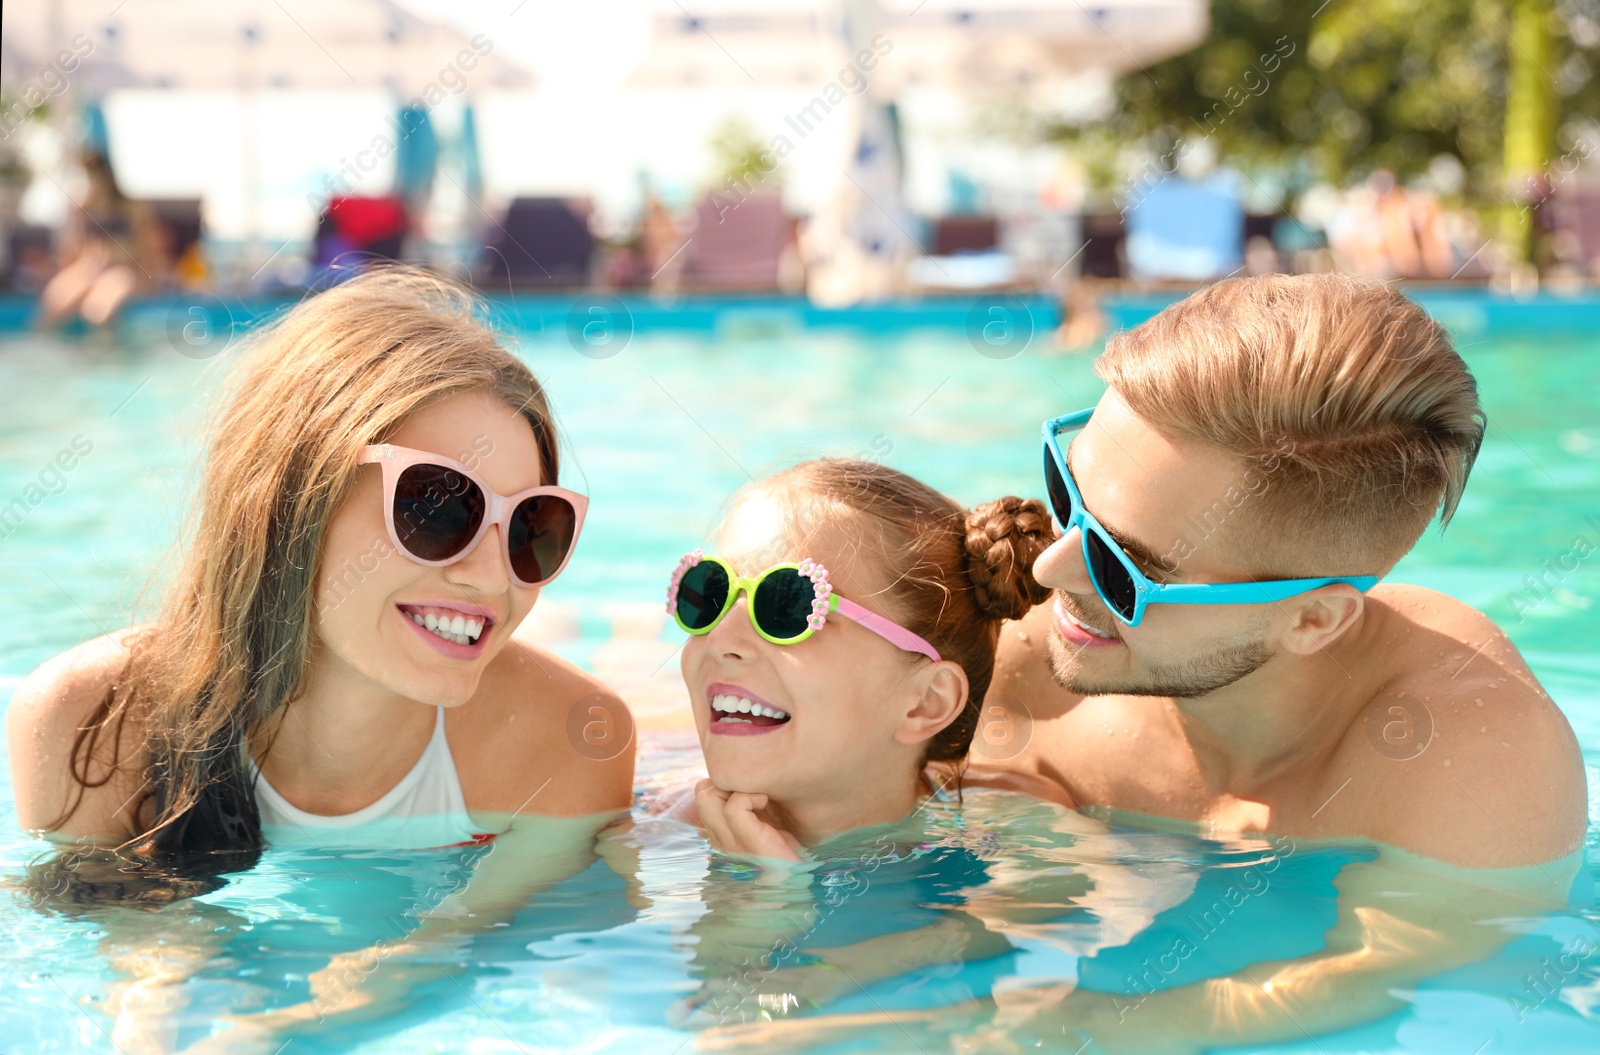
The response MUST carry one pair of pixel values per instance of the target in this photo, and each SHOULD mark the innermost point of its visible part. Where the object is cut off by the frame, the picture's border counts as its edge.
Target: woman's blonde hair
(232, 642)
(1349, 394)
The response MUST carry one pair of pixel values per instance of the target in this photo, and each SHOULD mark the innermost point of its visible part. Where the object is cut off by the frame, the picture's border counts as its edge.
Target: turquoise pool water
(659, 434)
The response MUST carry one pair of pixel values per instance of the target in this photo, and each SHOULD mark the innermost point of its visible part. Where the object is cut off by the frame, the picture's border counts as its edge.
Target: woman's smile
(450, 630)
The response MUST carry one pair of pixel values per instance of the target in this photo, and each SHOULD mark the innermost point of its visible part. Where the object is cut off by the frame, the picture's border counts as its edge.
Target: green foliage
(1365, 84)
(13, 112)
(739, 155)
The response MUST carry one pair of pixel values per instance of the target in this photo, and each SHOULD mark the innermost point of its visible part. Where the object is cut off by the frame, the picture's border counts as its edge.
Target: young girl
(843, 631)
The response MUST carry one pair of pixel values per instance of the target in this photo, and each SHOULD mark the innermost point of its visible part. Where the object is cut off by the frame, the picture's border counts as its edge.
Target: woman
(334, 662)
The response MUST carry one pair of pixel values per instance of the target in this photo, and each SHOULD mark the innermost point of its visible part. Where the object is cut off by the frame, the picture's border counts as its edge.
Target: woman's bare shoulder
(51, 707)
(568, 733)
(64, 689)
(537, 682)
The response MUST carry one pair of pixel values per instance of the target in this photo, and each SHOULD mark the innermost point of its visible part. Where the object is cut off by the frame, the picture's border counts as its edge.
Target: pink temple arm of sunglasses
(894, 633)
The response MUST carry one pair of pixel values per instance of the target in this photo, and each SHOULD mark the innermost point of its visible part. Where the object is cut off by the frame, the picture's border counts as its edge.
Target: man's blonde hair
(1351, 398)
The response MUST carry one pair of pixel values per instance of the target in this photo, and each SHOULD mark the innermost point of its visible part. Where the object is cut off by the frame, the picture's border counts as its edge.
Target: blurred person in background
(105, 243)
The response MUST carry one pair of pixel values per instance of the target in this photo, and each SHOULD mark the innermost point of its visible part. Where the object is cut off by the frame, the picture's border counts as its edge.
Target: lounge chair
(1186, 230)
(542, 242)
(354, 230)
(737, 245)
(1578, 211)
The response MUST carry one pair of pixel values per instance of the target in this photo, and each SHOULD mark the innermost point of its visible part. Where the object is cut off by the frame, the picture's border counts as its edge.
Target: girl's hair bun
(1004, 538)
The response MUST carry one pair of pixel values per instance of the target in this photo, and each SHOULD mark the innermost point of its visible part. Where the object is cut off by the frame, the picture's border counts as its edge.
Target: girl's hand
(736, 824)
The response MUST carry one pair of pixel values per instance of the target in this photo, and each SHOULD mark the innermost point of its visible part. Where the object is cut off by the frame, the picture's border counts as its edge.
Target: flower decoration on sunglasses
(689, 560)
(819, 579)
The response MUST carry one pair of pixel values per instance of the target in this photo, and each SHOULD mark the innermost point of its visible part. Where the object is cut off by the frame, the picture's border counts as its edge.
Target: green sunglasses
(788, 602)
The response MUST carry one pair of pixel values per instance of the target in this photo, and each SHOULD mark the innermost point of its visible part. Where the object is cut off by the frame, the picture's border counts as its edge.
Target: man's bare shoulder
(1467, 759)
(1433, 620)
(1436, 646)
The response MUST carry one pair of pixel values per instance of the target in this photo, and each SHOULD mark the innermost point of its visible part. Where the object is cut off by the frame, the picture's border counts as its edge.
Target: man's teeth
(1085, 628)
(460, 630)
(731, 705)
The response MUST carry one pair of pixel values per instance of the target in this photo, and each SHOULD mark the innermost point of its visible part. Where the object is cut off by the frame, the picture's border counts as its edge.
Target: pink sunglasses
(437, 510)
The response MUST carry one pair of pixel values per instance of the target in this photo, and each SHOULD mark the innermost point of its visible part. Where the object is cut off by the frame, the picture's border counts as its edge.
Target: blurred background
(843, 151)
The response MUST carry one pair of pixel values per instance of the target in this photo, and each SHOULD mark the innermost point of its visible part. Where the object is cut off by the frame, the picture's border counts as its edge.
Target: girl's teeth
(728, 706)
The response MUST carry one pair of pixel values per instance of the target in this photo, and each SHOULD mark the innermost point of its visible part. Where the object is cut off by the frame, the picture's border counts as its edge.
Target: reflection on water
(969, 926)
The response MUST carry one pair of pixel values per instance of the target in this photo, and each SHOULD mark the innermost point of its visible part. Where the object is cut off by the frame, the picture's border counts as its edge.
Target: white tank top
(424, 810)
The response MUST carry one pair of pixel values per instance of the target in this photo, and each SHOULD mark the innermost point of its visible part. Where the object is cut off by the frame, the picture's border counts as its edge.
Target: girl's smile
(736, 711)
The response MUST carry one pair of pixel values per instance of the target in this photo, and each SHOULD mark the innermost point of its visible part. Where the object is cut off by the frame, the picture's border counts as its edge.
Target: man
(1266, 429)
(1219, 650)
(1263, 431)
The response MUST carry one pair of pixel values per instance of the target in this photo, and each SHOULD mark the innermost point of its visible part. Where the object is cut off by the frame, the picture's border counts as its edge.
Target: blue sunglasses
(1117, 579)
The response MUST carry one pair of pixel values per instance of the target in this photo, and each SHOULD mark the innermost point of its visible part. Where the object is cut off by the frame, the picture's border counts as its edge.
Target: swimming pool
(659, 432)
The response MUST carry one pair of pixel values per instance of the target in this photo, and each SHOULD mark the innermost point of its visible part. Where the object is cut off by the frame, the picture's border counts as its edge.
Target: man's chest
(1140, 767)
(1116, 761)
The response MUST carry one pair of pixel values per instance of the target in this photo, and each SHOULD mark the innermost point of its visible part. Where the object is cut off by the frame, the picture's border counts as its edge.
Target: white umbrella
(737, 45)
(1018, 45)
(970, 44)
(290, 44)
(859, 55)
(252, 80)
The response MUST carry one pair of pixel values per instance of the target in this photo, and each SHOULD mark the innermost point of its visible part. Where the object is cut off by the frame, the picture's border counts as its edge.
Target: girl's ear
(940, 693)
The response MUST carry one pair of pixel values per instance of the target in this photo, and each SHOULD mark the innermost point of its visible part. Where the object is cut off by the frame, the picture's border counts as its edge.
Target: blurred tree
(14, 171)
(1297, 91)
(14, 111)
(1532, 111)
(740, 161)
